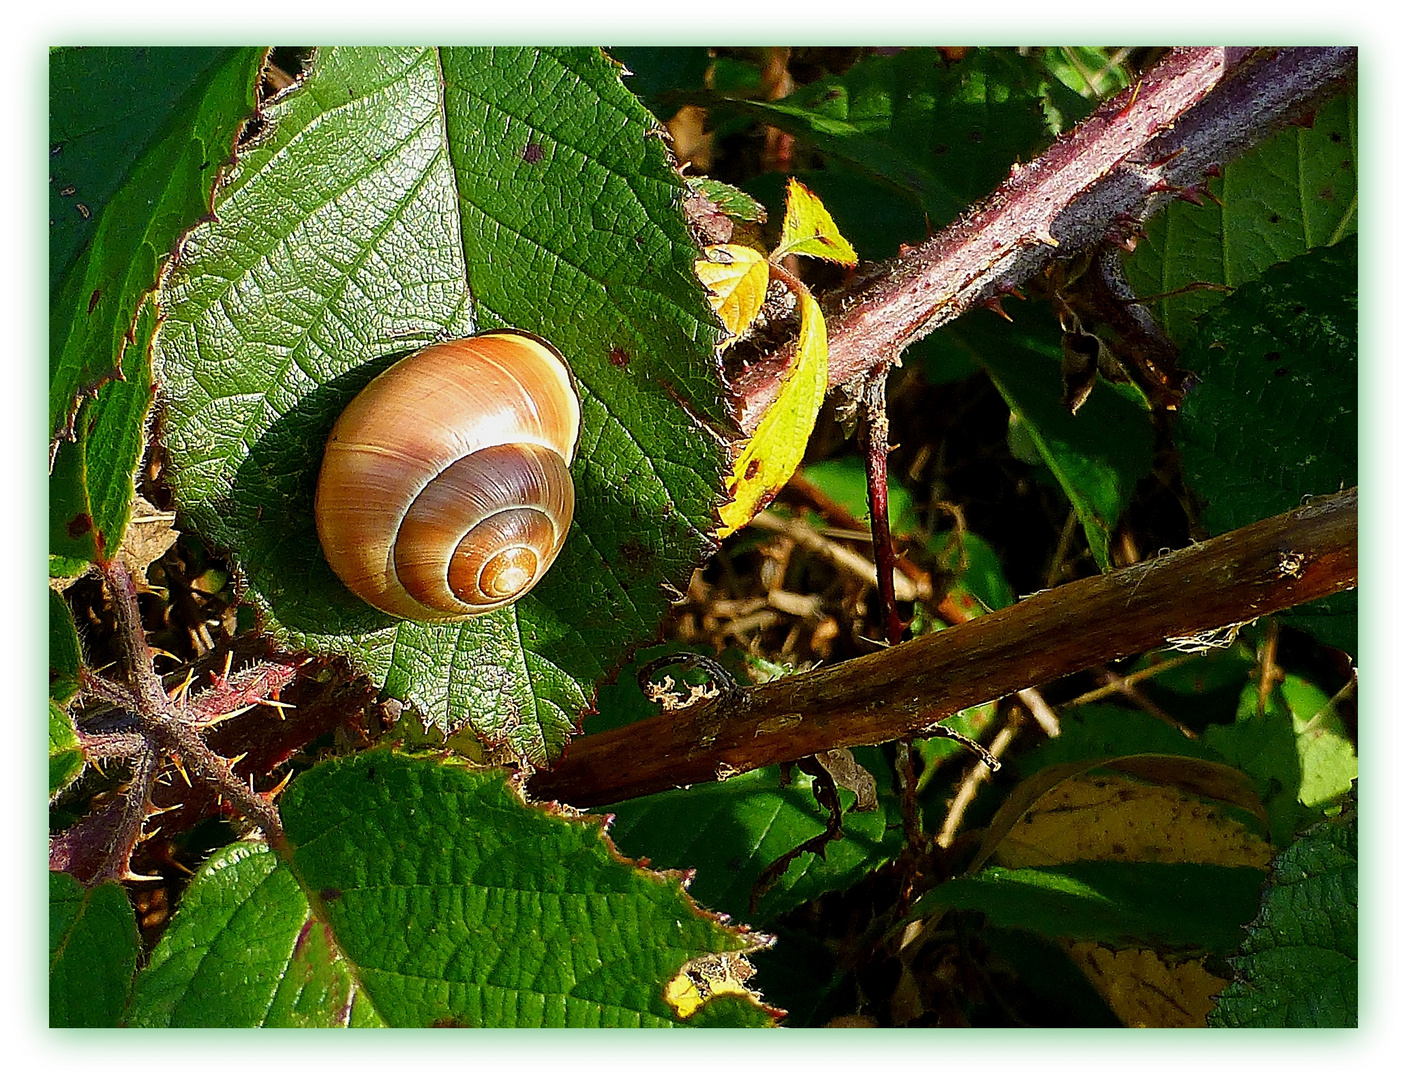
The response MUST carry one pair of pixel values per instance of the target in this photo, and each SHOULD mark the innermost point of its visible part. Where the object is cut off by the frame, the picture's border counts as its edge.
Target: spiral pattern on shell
(445, 491)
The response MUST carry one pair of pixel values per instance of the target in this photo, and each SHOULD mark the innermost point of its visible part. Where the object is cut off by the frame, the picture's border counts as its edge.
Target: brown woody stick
(1303, 555)
(1195, 110)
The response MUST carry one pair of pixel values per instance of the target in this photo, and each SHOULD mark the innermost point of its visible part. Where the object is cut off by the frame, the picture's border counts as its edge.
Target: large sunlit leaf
(402, 195)
(247, 949)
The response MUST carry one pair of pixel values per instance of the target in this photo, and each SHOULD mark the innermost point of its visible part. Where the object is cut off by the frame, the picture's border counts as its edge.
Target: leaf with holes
(398, 196)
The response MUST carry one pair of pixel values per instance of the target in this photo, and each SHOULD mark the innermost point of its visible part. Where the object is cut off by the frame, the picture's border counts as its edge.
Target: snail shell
(444, 490)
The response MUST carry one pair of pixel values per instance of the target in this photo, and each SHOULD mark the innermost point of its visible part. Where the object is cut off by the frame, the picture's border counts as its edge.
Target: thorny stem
(151, 727)
(1195, 110)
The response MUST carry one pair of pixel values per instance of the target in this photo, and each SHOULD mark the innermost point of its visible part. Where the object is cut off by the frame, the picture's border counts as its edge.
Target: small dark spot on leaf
(1346, 165)
(832, 93)
(1298, 309)
(941, 148)
(449, 1022)
(1326, 194)
(93, 300)
(1282, 371)
(637, 556)
(371, 773)
(1335, 137)
(1275, 219)
(533, 153)
(1273, 355)
(81, 525)
(619, 357)
(331, 895)
(753, 468)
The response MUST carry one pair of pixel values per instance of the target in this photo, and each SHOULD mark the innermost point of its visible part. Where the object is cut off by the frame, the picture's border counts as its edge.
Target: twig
(976, 774)
(898, 692)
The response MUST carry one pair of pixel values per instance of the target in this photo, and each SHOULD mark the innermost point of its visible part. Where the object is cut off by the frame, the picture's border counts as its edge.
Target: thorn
(277, 789)
(142, 838)
(994, 303)
(180, 768)
(156, 811)
(222, 681)
(231, 715)
(232, 762)
(179, 692)
(132, 875)
(273, 703)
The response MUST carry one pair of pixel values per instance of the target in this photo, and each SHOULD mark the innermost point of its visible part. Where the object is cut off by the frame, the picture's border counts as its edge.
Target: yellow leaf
(736, 279)
(703, 978)
(775, 449)
(808, 229)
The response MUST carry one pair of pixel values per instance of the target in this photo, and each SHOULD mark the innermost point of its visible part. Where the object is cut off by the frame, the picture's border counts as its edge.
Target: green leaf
(65, 652)
(1298, 965)
(1298, 752)
(1173, 905)
(91, 484)
(65, 668)
(654, 73)
(93, 949)
(401, 195)
(935, 134)
(1274, 415)
(1097, 457)
(730, 832)
(245, 949)
(503, 915)
(65, 753)
(843, 479)
(1293, 192)
(137, 137)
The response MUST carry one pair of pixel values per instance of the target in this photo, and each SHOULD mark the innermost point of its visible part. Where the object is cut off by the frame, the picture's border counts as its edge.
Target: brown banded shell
(445, 491)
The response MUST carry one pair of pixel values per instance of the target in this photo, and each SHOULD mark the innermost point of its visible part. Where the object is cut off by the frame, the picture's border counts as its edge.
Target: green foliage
(136, 137)
(730, 832)
(91, 483)
(93, 951)
(505, 916)
(1095, 458)
(246, 950)
(399, 196)
(1296, 191)
(1298, 965)
(1183, 905)
(402, 195)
